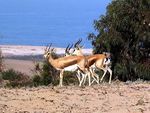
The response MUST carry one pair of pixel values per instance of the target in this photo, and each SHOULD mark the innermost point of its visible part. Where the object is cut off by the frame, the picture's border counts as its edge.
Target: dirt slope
(103, 98)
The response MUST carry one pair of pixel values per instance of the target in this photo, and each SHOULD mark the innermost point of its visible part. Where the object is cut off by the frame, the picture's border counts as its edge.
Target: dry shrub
(15, 78)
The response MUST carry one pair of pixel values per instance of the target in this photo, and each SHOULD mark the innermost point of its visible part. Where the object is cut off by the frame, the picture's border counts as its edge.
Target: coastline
(27, 50)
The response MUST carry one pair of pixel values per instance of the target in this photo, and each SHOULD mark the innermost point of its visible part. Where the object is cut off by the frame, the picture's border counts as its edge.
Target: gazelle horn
(66, 50)
(49, 46)
(77, 43)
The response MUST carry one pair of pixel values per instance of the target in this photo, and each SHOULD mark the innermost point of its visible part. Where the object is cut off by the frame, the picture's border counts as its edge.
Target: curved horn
(71, 46)
(46, 47)
(66, 50)
(49, 46)
(80, 40)
(77, 43)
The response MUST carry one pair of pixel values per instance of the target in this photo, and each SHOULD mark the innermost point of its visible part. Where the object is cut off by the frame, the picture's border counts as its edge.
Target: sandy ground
(24, 66)
(115, 98)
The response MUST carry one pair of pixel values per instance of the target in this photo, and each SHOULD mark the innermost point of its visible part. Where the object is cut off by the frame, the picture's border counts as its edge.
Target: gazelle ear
(53, 50)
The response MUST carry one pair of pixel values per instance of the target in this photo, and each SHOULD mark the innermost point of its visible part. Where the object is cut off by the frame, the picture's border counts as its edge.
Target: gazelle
(79, 75)
(64, 62)
(97, 61)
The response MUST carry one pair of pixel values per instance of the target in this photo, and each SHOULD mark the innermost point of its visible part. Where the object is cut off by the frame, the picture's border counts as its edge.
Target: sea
(40, 22)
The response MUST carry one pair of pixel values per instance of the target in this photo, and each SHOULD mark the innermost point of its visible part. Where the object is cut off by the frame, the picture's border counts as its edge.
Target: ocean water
(39, 22)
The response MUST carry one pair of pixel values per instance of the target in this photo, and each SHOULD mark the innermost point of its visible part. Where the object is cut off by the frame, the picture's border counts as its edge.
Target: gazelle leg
(61, 78)
(110, 71)
(82, 79)
(89, 77)
(97, 77)
(79, 76)
(105, 70)
(85, 78)
(94, 75)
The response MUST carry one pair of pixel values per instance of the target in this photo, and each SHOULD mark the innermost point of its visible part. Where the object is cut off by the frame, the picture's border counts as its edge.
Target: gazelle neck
(51, 60)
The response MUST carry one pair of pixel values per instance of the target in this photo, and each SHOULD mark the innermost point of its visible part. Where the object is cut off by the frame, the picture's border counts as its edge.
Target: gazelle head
(107, 54)
(48, 51)
(78, 48)
(67, 50)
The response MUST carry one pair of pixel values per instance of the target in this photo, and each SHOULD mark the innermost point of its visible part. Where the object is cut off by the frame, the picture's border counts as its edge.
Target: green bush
(143, 71)
(44, 79)
(36, 80)
(45, 74)
(15, 78)
(11, 75)
(70, 78)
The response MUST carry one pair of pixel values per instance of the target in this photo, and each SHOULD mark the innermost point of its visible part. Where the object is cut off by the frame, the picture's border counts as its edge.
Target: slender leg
(82, 79)
(85, 78)
(94, 75)
(110, 71)
(79, 75)
(61, 78)
(89, 77)
(97, 76)
(105, 70)
(95, 79)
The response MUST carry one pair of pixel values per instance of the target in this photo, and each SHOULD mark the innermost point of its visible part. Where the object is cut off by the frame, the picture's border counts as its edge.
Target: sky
(24, 20)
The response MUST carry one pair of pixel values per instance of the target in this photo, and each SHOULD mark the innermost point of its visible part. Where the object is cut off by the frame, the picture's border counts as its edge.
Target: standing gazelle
(97, 61)
(64, 62)
(79, 74)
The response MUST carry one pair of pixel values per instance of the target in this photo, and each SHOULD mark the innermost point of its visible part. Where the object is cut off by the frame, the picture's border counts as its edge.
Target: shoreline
(27, 50)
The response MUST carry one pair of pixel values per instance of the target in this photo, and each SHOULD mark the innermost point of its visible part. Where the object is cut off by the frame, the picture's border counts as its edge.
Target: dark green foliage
(11, 75)
(45, 74)
(15, 79)
(70, 78)
(36, 80)
(124, 32)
